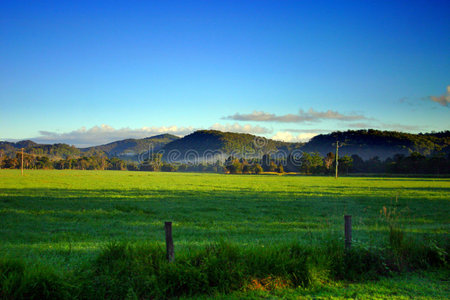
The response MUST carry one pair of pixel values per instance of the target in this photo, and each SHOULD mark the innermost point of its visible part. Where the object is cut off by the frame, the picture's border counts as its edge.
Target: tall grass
(124, 271)
(18, 281)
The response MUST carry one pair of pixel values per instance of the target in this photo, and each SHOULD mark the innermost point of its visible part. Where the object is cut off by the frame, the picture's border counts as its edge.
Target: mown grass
(63, 220)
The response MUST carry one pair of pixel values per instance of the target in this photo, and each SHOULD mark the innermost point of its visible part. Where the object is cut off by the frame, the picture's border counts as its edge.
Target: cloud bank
(104, 134)
(286, 136)
(301, 117)
(241, 128)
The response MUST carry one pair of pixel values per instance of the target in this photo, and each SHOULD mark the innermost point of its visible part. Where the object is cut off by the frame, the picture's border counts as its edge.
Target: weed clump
(355, 264)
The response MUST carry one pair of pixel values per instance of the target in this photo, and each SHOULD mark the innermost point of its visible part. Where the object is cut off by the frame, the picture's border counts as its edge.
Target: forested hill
(30, 147)
(206, 142)
(129, 148)
(365, 143)
(133, 147)
(371, 143)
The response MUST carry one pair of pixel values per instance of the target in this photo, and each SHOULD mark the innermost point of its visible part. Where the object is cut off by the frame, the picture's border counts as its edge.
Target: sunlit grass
(64, 218)
(82, 209)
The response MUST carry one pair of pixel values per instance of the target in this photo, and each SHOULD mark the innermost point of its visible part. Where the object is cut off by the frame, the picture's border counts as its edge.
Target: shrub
(257, 169)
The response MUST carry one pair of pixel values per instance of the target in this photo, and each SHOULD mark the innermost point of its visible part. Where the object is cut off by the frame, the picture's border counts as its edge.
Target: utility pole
(22, 161)
(337, 158)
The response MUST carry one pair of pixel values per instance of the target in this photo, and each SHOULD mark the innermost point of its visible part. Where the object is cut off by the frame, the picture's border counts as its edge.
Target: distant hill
(370, 143)
(131, 148)
(126, 149)
(204, 144)
(30, 147)
(9, 146)
(208, 143)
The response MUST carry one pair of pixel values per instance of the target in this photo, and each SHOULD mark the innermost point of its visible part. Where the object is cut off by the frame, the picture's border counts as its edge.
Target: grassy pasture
(64, 218)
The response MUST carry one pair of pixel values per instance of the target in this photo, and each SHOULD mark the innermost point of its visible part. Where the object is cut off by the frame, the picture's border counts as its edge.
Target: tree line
(311, 163)
(96, 162)
(308, 163)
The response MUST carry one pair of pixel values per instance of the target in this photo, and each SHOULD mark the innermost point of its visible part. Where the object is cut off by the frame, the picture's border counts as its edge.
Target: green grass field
(63, 219)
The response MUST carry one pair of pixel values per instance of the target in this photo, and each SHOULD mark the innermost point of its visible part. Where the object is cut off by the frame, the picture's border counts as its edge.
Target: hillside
(130, 148)
(30, 147)
(370, 143)
(204, 144)
(127, 149)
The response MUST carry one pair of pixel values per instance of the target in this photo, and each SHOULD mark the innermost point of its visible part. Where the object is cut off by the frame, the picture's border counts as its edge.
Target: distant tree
(257, 169)
(374, 165)
(168, 167)
(358, 164)
(152, 163)
(114, 164)
(59, 165)
(202, 168)
(10, 163)
(43, 162)
(437, 164)
(292, 163)
(272, 167)
(265, 162)
(329, 161)
(280, 168)
(306, 162)
(131, 166)
(246, 169)
(220, 169)
(316, 163)
(417, 163)
(235, 167)
(2, 154)
(345, 163)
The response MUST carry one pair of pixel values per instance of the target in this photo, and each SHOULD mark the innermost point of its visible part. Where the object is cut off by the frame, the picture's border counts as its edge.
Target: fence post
(348, 232)
(170, 255)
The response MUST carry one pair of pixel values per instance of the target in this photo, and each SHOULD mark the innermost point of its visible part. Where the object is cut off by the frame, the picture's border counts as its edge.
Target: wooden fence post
(348, 232)
(170, 255)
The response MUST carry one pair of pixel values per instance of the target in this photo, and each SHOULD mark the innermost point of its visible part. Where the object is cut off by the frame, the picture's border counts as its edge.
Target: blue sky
(88, 72)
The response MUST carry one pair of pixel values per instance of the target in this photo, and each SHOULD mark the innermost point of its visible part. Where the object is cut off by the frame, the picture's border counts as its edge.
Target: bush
(406, 254)
(168, 168)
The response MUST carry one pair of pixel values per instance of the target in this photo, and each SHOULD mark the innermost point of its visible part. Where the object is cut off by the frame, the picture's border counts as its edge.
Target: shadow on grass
(37, 215)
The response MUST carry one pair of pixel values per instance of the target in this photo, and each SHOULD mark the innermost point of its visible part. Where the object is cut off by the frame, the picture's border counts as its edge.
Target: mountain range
(208, 143)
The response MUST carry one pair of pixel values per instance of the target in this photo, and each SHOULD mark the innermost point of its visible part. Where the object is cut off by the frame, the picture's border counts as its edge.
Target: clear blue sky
(273, 68)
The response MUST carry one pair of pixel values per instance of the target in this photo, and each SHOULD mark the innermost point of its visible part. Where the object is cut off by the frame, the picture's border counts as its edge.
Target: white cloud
(286, 136)
(301, 117)
(308, 130)
(443, 100)
(103, 134)
(240, 128)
